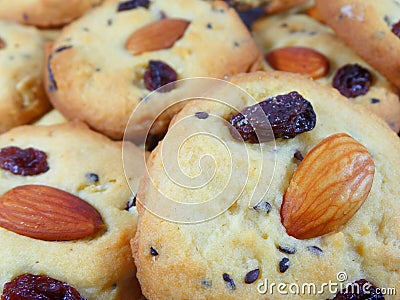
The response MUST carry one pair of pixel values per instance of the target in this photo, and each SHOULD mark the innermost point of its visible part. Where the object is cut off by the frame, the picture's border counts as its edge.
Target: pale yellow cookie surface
(88, 165)
(190, 260)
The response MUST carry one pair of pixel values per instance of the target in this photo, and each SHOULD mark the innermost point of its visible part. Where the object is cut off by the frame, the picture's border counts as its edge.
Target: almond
(299, 60)
(327, 189)
(156, 36)
(2, 44)
(46, 213)
(314, 13)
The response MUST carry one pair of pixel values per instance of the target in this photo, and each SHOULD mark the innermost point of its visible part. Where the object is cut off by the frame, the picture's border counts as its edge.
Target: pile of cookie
(296, 102)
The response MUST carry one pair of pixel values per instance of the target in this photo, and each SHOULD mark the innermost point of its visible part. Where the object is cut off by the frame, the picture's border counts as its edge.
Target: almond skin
(156, 36)
(314, 13)
(2, 44)
(328, 187)
(49, 214)
(300, 60)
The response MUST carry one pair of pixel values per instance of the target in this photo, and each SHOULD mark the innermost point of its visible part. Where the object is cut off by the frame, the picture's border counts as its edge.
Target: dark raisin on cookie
(158, 74)
(153, 251)
(229, 281)
(132, 4)
(315, 250)
(287, 115)
(62, 48)
(24, 162)
(375, 100)
(92, 177)
(28, 287)
(359, 290)
(396, 29)
(263, 207)
(252, 276)
(298, 155)
(352, 80)
(201, 115)
(131, 202)
(284, 264)
(286, 249)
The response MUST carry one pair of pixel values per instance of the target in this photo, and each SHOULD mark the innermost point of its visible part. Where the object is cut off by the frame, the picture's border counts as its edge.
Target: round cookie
(22, 95)
(95, 78)
(88, 165)
(45, 13)
(214, 259)
(368, 27)
(299, 30)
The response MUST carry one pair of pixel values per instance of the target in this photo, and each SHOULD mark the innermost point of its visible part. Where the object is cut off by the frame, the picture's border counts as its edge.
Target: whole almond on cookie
(156, 36)
(300, 60)
(46, 213)
(2, 44)
(327, 189)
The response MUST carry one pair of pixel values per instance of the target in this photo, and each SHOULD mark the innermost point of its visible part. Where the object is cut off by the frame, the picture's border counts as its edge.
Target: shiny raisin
(24, 162)
(352, 80)
(287, 115)
(132, 4)
(32, 287)
(158, 74)
(359, 290)
(396, 29)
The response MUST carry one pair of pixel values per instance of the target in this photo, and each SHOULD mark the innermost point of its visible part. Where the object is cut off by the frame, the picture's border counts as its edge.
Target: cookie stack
(199, 149)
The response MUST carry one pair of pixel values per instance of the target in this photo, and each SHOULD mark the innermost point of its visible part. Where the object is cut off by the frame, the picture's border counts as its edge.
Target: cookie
(370, 28)
(68, 161)
(244, 250)
(175, 39)
(52, 117)
(276, 35)
(45, 13)
(22, 98)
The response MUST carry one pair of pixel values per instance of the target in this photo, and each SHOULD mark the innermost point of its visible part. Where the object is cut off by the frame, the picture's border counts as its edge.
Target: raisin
(352, 80)
(315, 250)
(252, 276)
(30, 287)
(263, 206)
(24, 162)
(229, 281)
(201, 115)
(287, 115)
(158, 74)
(284, 264)
(153, 251)
(396, 29)
(92, 177)
(288, 250)
(132, 4)
(375, 100)
(359, 290)
(298, 155)
(131, 202)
